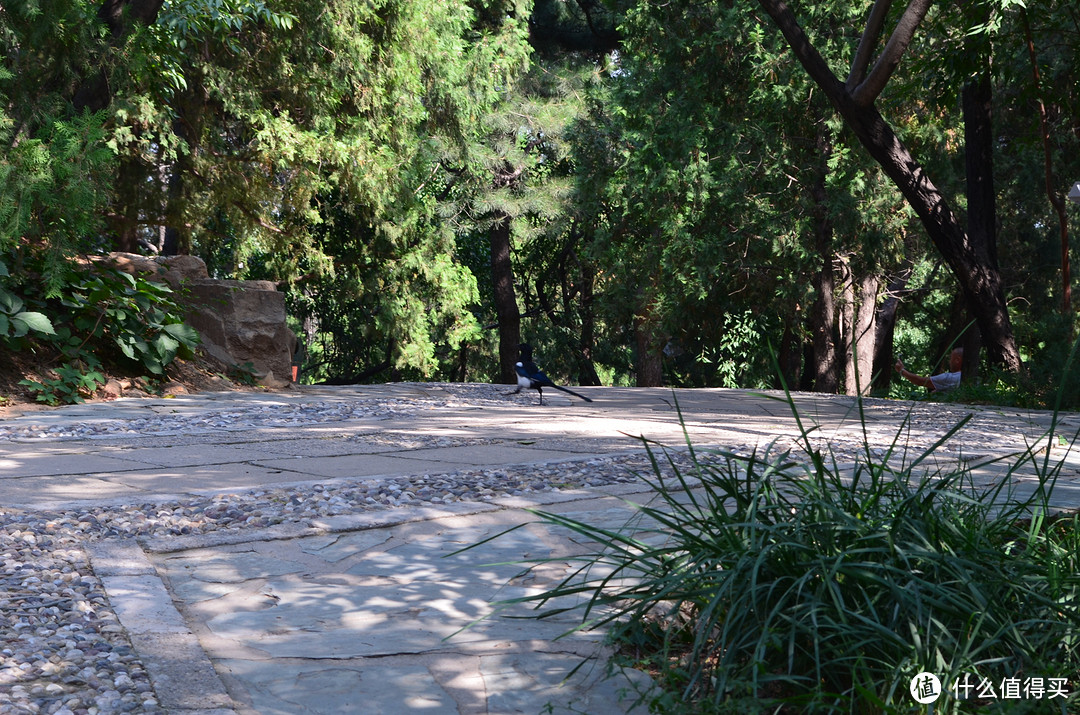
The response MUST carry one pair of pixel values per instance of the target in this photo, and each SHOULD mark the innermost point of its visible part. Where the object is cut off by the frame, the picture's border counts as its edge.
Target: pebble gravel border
(63, 651)
(282, 414)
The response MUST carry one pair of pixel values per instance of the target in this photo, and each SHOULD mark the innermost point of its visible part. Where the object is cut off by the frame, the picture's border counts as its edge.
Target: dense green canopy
(651, 193)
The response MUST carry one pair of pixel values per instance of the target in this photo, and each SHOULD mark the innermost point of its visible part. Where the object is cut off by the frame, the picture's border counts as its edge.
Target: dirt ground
(182, 377)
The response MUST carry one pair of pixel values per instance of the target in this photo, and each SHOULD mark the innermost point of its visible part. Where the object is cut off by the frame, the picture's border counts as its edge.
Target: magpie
(530, 377)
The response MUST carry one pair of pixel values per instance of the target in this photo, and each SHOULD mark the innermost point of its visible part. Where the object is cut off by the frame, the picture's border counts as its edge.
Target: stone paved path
(291, 552)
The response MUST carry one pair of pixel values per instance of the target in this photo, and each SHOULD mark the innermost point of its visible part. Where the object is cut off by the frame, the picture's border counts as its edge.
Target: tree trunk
(979, 167)
(586, 367)
(790, 358)
(648, 362)
(970, 262)
(506, 307)
(826, 367)
(826, 377)
(92, 94)
(977, 100)
(462, 371)
(971, 341)
(858, 331)
(884, 359)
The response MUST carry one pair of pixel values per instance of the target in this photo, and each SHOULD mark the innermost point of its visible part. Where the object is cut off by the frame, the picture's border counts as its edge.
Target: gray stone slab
(332, 618)
(119, 557)
(394, 517)
(184, 678)
(322, 447)
(46, 449)
(371, 689)
(143, 605)
(615, 518)
(43, 464)
(193, 591)
(443, 558)
(62, 490)
(542, 682)
(205, 478)
(185, 456)
(337, 548)
(229, 566)
(594, 446)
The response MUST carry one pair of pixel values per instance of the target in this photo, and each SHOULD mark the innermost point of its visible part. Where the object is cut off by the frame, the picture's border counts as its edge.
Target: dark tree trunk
(93, 93)
(587, 369)
(979, 165)
(859, 313)
(977, 101)
(649, 362)
(962, 332)
(462, 371)
(970, 262)
(506, 307)
(884, 359)
(971, 341)
(977, 98)
(825, 368)
(806, 379)
(790, 357)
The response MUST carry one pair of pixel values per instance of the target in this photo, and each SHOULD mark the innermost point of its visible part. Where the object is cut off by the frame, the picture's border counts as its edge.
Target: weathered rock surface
(173, 270)
(241, 322)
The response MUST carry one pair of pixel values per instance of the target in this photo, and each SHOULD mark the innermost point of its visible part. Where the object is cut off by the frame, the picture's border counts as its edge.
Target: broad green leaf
(184, 333)
(166, 348)
(126, 348)
(36, 322)
(21, 327)
(9, 302)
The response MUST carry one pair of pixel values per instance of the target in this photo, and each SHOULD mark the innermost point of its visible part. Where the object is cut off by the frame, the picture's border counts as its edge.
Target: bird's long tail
(580, 397)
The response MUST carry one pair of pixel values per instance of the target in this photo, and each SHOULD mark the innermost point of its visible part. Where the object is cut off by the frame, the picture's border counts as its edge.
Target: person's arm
(913, 378)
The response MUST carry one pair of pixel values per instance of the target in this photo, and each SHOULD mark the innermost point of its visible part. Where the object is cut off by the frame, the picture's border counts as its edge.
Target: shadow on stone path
(287, 553)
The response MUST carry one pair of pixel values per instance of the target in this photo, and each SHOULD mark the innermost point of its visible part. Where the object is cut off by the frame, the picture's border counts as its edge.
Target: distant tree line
(703, 194)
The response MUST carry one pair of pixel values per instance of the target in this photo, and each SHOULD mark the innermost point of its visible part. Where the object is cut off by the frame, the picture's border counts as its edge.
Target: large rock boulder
(243, 322)
(173, 270)
(240, 322)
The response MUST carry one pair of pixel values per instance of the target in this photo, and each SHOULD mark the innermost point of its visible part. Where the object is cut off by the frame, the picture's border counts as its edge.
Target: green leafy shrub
(100, 318)
(244, 374)
(771, 583)
(73, 383)
(15, 321)
(138, 318)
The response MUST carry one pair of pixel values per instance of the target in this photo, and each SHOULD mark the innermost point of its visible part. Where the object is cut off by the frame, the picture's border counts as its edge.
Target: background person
(940, 382)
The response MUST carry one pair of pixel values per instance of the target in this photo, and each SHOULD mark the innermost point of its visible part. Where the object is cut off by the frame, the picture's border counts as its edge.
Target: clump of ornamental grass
(787, 583)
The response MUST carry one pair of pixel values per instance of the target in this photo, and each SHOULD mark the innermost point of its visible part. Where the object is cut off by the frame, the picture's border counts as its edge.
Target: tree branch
(869, 89)
(869, 39)
(800, 44)
(255, 218)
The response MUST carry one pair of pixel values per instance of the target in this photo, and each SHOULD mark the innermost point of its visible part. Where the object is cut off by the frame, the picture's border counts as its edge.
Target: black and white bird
(531, 378)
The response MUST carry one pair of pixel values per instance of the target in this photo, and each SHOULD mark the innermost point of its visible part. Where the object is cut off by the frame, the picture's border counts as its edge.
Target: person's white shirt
(945, 381)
